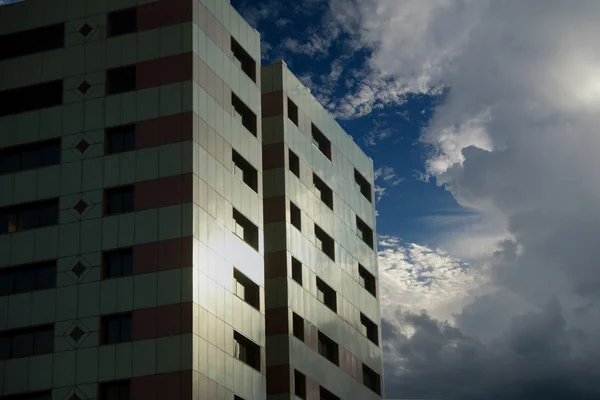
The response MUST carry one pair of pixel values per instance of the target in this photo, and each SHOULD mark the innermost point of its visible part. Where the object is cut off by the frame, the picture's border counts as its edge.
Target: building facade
(132, 232)
(322, 312)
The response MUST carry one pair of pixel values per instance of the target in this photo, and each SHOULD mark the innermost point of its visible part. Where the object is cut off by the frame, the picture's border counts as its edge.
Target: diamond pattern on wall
(82, 146)
(78, 269)
(84, 87)
(81, 206)
(85, 30)
(76, 334)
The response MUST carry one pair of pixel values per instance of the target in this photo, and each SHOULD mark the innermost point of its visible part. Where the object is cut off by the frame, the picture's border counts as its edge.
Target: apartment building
(132, 234)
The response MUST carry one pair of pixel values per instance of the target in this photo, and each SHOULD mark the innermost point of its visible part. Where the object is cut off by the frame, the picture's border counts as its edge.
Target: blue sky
(482, 119)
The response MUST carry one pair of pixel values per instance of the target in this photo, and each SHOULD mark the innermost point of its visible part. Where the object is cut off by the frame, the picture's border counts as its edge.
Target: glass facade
(135, 257)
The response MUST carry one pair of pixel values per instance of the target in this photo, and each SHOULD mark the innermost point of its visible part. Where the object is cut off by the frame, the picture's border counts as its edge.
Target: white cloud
(388, 175)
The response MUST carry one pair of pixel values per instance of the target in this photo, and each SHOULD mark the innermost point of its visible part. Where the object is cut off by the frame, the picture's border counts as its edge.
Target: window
(27, 278)
(242, 113)
(120, 80)
(324, 242)
(246, 351)
(323, 191)
(371, 379)
(116, 328)
(294, 164)
(321, 142)
(364, 232)
(245, 171)
(245, 229)
(326, 295)
(366, 280)
(295, 216)
(26, 342)
(363, 184)
(29, 156)
(297, 271)
(243, 60)
(325, 394)
(32, 41)
(29, 98)
(28, 216)
(298, 326)
(122, 22)
(118, 263)
(236, 397)
(115, 390)
(292, 111)
(120, 139)
(245, 289)
(328, 349)
(299, 384)
(369, 329)
(119, 200)
(29, 396)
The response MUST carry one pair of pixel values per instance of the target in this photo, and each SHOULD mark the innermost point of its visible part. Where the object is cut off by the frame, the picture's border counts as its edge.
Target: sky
(482, 118)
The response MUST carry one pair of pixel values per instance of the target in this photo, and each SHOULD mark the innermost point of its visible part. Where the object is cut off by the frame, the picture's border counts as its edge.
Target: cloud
(388, 175)
(516, 141)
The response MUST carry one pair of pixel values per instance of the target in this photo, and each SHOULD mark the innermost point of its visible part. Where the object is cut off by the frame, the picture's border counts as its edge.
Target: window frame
(121, 131)
(369, 329)
(120, 385)
(298, 327)
(249, 173)
(329, 347)
(368, 373)
(249, 119)
(367, 280)
(246, 351)
(251, 233)
(295, 216)
(121, 13)
(34, 97)
(323, 191)
(328, 294)
(32, 41)
(364, 232)
(292, 111)
(36, 268)
(19, 151)
(120, 319)
(8, 337)
(246, 62)
(111, 78)
(299, 384)
(121, 252)
(363, 185)
(14, 214)
(320, 141)
(327, 242)
(251, 294)
(297, 274)
(294, 163)
(119, 191)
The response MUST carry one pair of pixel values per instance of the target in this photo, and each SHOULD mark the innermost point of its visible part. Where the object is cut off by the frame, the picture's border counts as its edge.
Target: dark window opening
(29, 396)
(328, 348)
(369, 329)
(118, 263)
(122, 22)
(245, 171)
(324, 242)
(295, 216)
(297, 271)
(120, 139)
(32, 41)
(246, 351)
(236, 397)
(120, 80)
(243, 60)
(29, 156)
(325, 394)
(298, 326)
(363, 185)
(245, 289)
(116, 328)
(321, 142)
(364, 232)
(243, 114)
(27, 278)
(299, 384)
(326, 295)
(292, 111)
(371, 379)
(115, 390)
(119, 200)
(323, 191)
(294, 163)
(245, 229)
(28, 216)
(26, 342)
(366, 280)
(29, 98)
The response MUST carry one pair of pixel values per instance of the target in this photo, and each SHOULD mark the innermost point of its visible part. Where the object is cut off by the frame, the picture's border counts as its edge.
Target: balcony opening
(364, 232)
(116, 328)
(245, 229)
(119, 200)
(25, 342)
(32, 41)
(367, 280)
(28, 278)
(243, 60)
(245, 171)
(326, 295)
(120, 139)
(321, 142)
(369, 329)
(363, 185)
(299, 384)
(122, 22)
(30, 156)
(292, 111)
(29, 98)
(120, 390)
(246, 351)
(298, 326)
(295, 216)
(246, 289)
(297, 271)
(243, 114)
(23, 217)
(294, 163)
(328, 349)
(118, 263)
(324, 242)
(121, 80)
(371, 379)
(325, 394)
(322, 191)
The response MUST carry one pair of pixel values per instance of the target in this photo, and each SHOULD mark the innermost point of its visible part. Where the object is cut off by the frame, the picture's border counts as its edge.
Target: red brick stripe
(164, 255)
(163, 13)
(172, 386)
(164, 130)
(163, 71)
(163, 192)
(163, 321)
